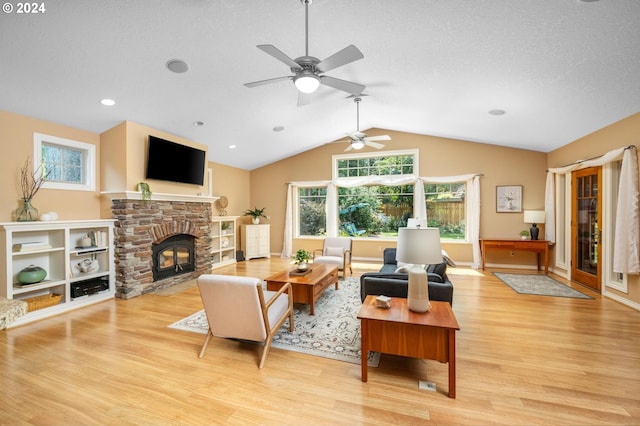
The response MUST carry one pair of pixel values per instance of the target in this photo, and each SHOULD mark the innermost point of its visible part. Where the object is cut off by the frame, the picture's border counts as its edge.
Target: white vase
(302, 266)
(256, 220)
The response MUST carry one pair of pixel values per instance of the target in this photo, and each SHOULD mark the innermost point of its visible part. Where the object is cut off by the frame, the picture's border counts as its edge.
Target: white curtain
(287, 241)
(473, 221)
(626, 254)
(627, 234)
(331, 206)
(550, 209)
(419, 201)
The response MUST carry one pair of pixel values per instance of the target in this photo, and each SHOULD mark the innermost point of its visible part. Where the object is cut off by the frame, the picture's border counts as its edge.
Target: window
(377, 206)
(312, 218)
(374, 210)
(68, 164)
(446, 209)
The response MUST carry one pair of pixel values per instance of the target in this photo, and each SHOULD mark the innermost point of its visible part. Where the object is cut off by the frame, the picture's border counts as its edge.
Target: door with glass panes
(586, 229)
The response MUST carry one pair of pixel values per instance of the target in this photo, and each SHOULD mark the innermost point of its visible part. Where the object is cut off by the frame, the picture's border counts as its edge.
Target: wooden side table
(399, 331)
(540, 247)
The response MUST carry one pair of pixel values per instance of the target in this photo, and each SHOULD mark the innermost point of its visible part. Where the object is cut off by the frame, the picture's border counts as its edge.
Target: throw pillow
(447, 259)
(334, 251)
(438, 268)
(404, 269)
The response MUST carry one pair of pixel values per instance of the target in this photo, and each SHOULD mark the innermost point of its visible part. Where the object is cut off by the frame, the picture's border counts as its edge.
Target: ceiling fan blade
(345, 86)
(349, 148)
(277, 53)
(304, 98)
(373, 144)
(379, 138)
(271, 80)
(345, 56)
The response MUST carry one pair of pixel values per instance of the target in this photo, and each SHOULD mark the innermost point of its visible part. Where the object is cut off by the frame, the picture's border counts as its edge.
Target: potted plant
(256, 214)
(224, 226)
(302, 259)
(524, 234)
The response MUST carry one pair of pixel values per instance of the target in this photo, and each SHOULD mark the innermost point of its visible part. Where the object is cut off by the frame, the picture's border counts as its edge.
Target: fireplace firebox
(173, 256)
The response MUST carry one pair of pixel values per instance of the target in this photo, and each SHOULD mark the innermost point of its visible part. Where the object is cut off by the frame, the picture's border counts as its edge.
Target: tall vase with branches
(30, 184)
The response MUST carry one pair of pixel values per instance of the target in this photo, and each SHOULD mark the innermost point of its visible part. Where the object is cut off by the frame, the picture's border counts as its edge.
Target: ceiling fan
(308, 71)
(359, 139)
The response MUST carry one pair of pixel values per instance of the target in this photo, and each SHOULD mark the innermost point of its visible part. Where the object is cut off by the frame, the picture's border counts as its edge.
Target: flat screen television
(174, 162)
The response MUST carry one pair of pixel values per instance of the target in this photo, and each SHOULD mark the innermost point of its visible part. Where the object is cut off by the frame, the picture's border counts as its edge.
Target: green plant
(301, 256)
(225, 225)
(524, 233)
(143, 187)
(256, 213)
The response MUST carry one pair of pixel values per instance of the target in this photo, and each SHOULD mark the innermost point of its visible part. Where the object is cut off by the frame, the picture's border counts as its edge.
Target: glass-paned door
(586, 250)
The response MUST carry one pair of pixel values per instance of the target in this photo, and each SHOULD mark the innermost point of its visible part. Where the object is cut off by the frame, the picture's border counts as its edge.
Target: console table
(537, 246)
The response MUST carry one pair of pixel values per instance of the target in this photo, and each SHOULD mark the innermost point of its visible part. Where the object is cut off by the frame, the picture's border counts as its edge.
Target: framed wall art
(509, 198)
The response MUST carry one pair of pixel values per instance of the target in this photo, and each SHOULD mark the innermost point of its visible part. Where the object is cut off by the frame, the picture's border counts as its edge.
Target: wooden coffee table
(306, 288)
(399, 331)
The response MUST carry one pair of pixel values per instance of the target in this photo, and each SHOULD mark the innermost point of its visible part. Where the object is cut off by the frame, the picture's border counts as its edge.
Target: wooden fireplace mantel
(137, 195)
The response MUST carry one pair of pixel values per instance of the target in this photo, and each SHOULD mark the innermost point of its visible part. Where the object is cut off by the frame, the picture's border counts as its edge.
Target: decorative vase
(26, 212)
(31, 274)
(302, 266)
(256, 220)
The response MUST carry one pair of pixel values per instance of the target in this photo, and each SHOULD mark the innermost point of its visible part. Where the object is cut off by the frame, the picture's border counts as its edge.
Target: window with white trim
(68, 164)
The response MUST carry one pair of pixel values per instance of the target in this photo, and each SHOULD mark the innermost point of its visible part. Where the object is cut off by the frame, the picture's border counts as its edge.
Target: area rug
(333, 332)
(541, 285)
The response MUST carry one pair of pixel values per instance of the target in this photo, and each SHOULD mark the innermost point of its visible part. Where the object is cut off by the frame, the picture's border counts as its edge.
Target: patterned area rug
(541, 285)
(333, 332)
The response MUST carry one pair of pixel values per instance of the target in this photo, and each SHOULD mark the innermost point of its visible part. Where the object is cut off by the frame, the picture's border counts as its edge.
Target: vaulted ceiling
(559, 69)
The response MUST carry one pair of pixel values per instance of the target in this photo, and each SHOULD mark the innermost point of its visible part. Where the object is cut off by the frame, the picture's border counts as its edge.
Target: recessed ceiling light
(198, 123)
(497, 112)
(232, 147)
(278, 128)
(107, 102)
(588, 1)
(178, 66)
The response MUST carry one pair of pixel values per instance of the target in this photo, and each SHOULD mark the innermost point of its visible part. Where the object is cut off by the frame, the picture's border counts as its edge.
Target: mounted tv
(175, 162)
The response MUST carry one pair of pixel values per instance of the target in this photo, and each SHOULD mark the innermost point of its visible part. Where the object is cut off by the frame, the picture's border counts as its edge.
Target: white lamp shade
(307, 83)
(534, 216)
(419, 246)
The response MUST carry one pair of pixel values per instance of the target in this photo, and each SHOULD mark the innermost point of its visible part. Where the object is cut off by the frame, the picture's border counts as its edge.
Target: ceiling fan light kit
(307, 82)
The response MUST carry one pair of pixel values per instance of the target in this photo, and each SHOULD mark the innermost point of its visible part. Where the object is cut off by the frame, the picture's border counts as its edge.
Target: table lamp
(419, 247)
(534, 217)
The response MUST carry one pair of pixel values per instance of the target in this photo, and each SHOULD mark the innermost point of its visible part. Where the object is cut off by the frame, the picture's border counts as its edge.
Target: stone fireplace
(180, 232)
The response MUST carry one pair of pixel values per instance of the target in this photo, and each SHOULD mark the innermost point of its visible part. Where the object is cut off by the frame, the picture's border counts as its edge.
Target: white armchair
(237, 307)
(335, 251)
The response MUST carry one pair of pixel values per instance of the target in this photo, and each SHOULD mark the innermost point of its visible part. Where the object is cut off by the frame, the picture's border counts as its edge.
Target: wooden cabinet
(540, 247)
(76, 255)
(256, 241)
(223, 240)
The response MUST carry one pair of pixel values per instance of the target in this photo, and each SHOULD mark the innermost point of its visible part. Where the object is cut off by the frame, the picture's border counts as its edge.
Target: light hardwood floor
(521, 360)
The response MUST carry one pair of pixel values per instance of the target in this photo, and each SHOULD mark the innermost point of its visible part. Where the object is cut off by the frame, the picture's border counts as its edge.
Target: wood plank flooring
(521, 360)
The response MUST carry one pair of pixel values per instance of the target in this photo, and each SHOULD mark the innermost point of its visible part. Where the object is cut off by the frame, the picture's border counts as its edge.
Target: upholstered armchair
(335, 251)
(238, 307)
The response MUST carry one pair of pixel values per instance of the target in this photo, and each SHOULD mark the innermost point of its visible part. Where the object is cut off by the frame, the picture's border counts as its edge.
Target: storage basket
(44, 301)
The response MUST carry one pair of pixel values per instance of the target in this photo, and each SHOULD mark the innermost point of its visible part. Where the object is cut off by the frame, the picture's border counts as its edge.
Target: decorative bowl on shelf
(31, 274)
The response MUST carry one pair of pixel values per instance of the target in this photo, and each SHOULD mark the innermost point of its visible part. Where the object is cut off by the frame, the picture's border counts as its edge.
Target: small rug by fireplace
(333, 332)
(541, 285)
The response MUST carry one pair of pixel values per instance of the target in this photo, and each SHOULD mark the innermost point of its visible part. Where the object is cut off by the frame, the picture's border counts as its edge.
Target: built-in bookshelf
(76, 255)
(223, 240)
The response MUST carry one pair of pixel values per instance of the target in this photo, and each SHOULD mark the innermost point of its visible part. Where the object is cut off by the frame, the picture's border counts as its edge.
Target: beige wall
(438, 157)
(121, 156)
(16, 144)
(622, 133)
